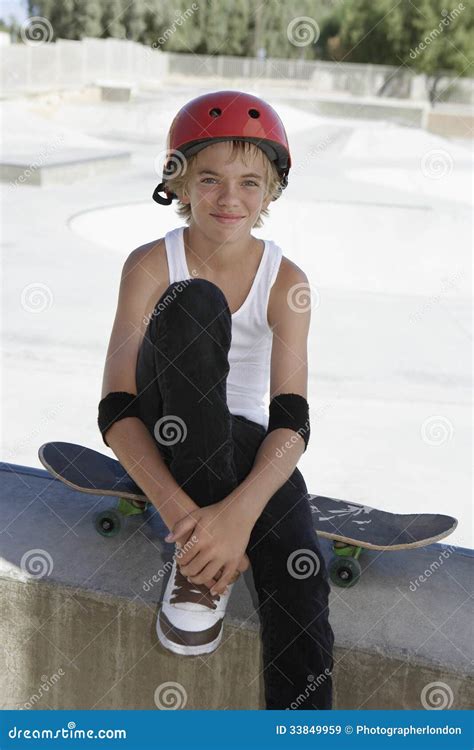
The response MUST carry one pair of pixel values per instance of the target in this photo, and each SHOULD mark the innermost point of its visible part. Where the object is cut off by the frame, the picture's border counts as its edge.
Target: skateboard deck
(351, 526)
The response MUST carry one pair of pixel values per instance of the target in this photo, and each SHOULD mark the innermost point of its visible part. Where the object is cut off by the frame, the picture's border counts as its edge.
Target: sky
(15, 8)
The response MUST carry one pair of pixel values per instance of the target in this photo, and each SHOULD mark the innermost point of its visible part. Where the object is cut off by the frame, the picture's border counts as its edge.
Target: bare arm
(129, 438)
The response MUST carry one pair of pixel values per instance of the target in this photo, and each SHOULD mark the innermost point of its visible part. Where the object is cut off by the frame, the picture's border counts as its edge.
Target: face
(226, 197)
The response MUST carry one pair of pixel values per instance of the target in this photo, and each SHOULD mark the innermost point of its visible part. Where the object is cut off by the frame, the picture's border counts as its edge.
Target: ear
(184, 198)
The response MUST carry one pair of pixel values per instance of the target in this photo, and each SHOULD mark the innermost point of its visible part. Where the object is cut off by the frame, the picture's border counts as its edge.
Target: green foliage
(238, 29)
(215, 27)
(184, 27)
(133, 18)
(112, 20)
(379, 31)
(446, 30)
(358, 31)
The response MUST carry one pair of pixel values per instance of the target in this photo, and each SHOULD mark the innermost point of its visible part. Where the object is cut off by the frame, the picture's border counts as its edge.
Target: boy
(183, 398)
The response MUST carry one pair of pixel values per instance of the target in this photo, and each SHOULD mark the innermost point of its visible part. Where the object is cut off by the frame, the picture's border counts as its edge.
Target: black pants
(181, 377)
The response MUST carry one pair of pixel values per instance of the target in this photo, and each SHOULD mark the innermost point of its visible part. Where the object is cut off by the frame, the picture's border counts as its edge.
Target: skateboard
(350, 526)
(353, 527)
(89, 471)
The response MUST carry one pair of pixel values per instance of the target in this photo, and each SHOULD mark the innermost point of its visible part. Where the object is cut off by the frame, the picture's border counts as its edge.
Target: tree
(112, 22)
(215, 22)
(273, 36)
(157, 18)
(444, 41)
(363, 32)
(61, 19)
(185, 27)
(238, 40)
(134, 19)
(86, 19)
(377, 31)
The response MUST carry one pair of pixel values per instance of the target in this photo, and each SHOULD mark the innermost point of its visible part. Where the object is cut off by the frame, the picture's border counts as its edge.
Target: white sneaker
(190, 621)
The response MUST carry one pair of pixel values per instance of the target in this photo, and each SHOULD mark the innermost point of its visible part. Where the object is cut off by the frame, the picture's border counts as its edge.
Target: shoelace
(184, 591)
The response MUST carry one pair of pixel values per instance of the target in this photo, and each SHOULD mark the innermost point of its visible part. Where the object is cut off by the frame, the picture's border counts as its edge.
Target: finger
(182, 527)
(195, 566)
(244, 564)
(210, 582)
(210, 571)
(186, 558)
(187, 553)
(224, 580)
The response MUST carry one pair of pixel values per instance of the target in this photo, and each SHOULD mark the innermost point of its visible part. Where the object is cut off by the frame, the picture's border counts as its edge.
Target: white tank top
(248, 381)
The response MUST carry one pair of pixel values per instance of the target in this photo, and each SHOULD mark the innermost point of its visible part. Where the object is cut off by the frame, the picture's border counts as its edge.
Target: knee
(194, 296)
(190, 306)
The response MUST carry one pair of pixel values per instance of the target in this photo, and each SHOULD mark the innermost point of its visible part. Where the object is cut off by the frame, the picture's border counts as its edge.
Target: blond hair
(245, 151)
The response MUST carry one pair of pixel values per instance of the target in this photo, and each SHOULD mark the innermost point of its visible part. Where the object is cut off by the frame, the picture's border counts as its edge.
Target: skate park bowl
(377, 216)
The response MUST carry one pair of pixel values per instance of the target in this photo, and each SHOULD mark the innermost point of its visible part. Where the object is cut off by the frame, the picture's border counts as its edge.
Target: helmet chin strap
(161, 199)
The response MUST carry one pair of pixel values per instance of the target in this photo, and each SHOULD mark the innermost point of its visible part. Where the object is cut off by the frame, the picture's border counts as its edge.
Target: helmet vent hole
(254, 113)
(215, 112)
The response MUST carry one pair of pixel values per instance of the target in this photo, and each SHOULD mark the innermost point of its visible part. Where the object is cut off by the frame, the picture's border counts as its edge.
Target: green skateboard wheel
(108, 523)
(344, 571)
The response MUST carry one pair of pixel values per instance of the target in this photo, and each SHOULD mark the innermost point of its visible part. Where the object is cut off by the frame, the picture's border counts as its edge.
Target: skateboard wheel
(344, 571)
(107, 523)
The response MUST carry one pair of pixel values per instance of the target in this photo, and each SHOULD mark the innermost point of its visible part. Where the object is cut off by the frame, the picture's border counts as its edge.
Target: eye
(251, 182)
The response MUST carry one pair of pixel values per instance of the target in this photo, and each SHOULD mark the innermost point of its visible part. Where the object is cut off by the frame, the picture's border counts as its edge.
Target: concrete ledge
(77, 625)
(64, 167)
(115, 91)
(459, 122)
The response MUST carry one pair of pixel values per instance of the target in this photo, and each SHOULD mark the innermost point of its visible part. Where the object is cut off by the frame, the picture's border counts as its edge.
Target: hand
(212, 539)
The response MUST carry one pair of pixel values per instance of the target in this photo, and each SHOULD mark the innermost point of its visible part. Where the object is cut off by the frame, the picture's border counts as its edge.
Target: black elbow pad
(290, 410)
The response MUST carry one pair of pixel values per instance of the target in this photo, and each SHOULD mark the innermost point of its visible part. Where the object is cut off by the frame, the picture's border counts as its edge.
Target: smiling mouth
(231, 217)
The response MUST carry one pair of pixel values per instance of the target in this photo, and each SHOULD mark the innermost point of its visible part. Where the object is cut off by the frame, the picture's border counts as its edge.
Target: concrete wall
(70, 63)
(77, 623)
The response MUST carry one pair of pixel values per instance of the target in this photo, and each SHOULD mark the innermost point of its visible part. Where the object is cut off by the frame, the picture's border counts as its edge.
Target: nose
(227, 195)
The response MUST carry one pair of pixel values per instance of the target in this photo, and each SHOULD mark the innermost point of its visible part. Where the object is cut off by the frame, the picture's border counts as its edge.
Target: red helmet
(224, 116)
